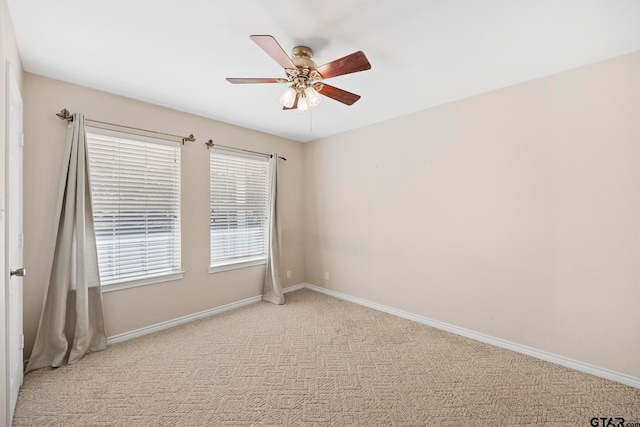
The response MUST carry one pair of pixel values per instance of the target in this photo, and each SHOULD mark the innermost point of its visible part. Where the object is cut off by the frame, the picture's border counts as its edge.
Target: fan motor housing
(301, 57)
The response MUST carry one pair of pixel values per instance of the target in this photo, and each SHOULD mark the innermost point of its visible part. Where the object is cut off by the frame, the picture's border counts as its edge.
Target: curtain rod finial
(64, 114)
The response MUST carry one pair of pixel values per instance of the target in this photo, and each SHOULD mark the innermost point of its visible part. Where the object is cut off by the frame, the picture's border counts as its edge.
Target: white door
(14, 241)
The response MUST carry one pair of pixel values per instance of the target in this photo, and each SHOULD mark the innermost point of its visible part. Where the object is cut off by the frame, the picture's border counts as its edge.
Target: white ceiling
(423, 52)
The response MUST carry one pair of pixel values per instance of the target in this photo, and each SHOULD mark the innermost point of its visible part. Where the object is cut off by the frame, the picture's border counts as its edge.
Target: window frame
(147, 279)
(247, 261)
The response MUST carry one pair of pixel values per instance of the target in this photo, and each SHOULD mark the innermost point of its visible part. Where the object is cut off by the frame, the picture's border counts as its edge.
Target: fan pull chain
(310, 121)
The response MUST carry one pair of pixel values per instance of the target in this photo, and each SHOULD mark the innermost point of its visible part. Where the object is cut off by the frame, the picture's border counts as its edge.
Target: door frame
(12, 93)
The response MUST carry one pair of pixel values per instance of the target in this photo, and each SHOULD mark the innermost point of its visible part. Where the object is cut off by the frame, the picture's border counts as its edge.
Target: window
(135, 189)
(239, 209)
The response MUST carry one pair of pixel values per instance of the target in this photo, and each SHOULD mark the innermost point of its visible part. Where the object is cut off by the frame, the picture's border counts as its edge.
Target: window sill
(235, 265)
(134, 283)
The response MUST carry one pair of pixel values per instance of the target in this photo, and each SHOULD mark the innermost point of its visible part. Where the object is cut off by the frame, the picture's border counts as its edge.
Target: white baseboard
(498, 342)
(294, 288)
(180, 321)
(190, 318)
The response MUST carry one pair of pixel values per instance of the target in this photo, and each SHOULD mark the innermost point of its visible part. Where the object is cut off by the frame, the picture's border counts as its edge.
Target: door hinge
(21, 240)
(21, 342)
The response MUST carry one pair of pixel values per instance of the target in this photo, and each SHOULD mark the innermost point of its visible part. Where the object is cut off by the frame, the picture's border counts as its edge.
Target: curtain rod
(64, 114)
(210, 144)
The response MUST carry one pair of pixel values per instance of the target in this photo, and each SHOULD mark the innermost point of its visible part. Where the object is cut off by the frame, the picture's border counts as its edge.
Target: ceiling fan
(304, 77)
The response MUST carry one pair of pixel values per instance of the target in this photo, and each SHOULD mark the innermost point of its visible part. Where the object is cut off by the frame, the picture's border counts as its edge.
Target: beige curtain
(72, 322)
(272, 289)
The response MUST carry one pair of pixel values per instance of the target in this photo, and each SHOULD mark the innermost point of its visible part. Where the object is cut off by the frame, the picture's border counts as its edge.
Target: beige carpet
(317, 361)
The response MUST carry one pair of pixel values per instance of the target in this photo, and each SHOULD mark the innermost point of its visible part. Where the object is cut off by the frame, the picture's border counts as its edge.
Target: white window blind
(239, 207)
(135, 189)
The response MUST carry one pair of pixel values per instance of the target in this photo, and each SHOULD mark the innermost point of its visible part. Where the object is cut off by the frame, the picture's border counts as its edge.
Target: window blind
(135, 189)
(239, 207)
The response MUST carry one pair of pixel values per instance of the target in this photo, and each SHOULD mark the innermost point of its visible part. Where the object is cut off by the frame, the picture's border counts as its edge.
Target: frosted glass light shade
(302, 104)
(288, 97)
(313, 97)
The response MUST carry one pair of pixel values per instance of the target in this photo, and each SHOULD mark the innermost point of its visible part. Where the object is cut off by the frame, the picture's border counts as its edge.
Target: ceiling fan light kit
(312, 96)
(288, 97)
(305, 77)
(303, 105)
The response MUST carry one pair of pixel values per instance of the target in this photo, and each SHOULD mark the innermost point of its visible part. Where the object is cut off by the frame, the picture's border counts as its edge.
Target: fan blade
(345, 65)
(258, 80)
(294, 106)
(274, 50)
(339, 94)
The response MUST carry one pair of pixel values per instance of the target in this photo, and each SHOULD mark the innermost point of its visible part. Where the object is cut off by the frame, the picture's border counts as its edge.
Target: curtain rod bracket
(189, 138)
(209, 143)
(64, 114)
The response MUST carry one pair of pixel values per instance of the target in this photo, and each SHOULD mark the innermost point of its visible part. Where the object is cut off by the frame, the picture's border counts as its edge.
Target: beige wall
(515, 213)
(8, 55)
(134, 308)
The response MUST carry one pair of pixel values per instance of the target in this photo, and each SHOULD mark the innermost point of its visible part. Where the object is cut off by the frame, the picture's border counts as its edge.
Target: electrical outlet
(288, 274)
(326, 275)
